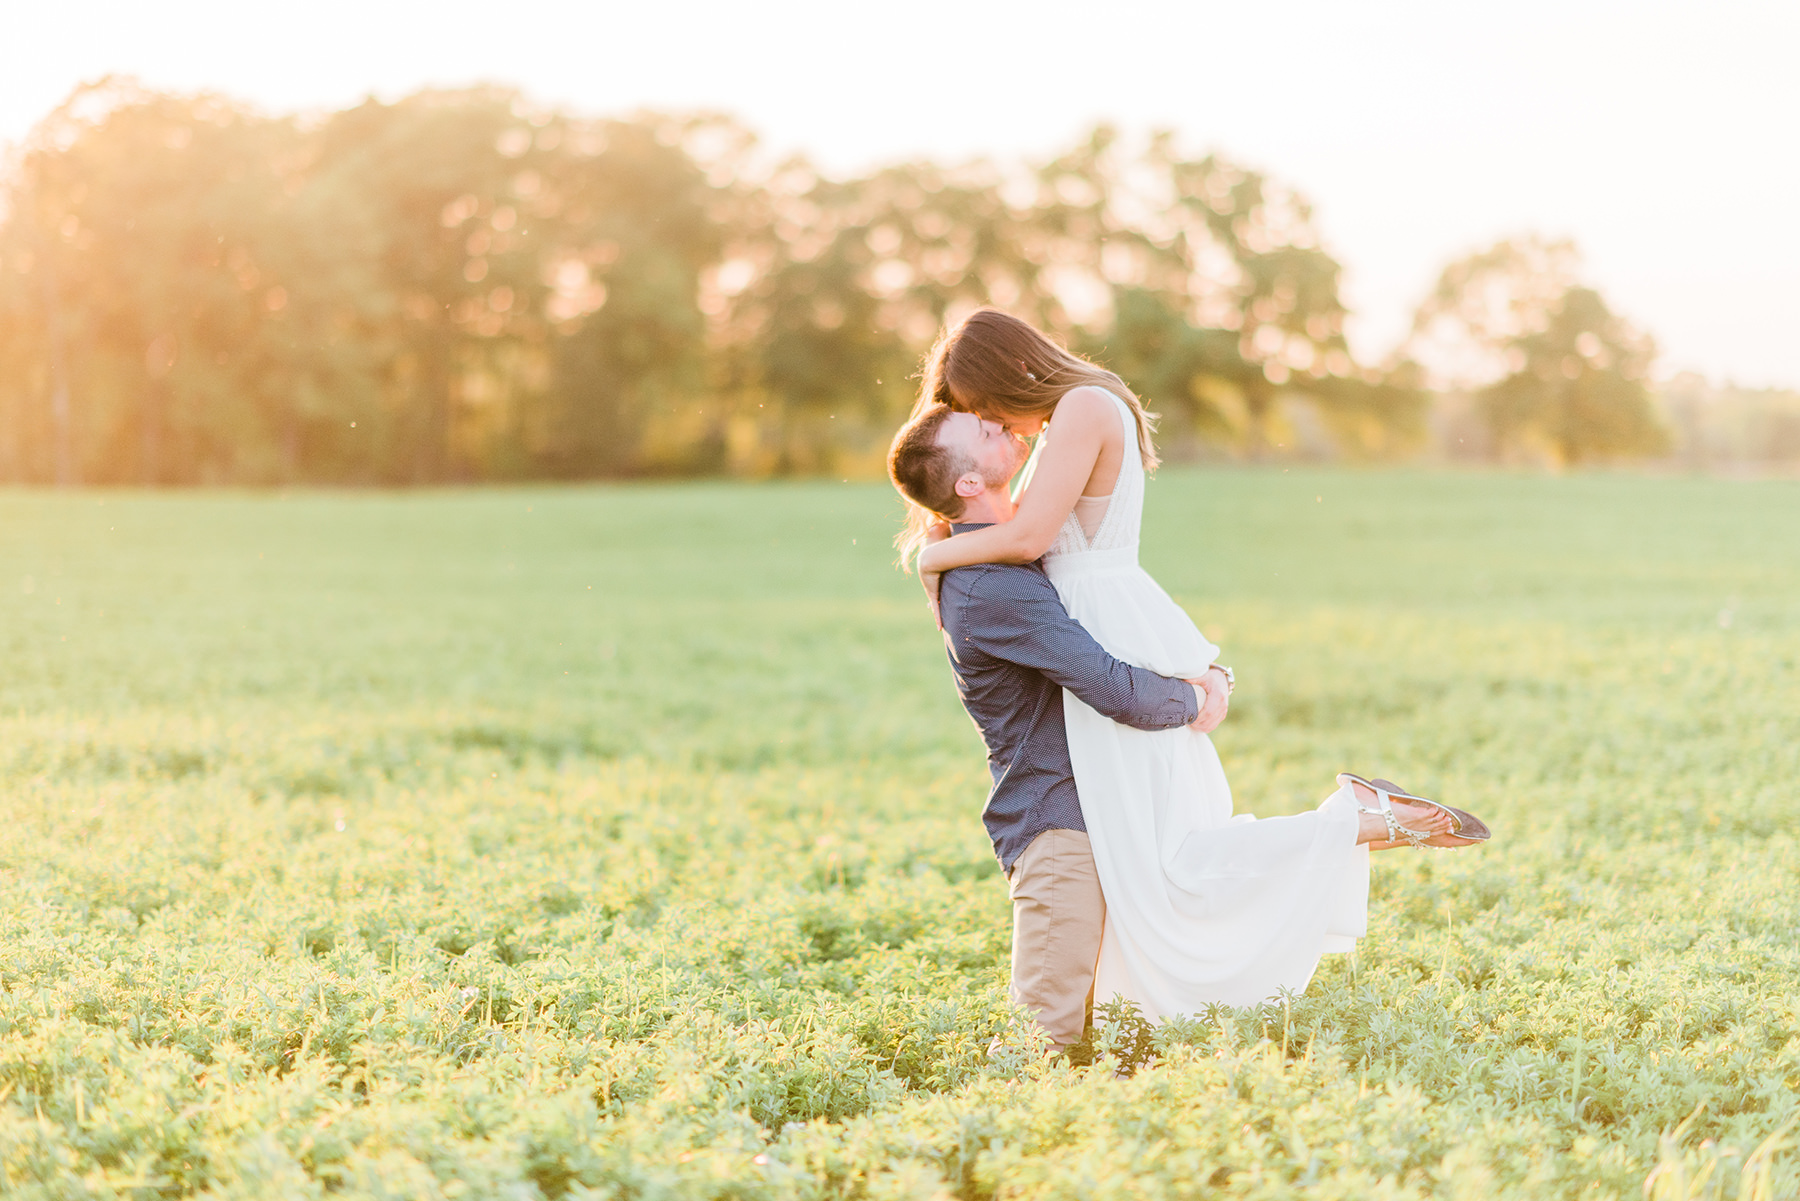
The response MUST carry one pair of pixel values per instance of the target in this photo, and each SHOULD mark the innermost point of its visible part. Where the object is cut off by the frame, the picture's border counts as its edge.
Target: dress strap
(1129, 419)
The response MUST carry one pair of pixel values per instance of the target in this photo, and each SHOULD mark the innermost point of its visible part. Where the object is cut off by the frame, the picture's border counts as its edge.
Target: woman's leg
(1371, 827)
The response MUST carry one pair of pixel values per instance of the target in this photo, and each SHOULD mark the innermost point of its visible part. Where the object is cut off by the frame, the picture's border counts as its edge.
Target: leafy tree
(440, 176)
(1193, 375)
(640, 224)
(460, 285)
(449, 287)
(1581, 388)
(1221, 299)
(851, 281)
(1463, 331)
(141, 217)
(1552, 368)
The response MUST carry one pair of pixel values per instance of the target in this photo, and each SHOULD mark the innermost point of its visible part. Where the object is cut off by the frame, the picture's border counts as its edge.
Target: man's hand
(1214, 695)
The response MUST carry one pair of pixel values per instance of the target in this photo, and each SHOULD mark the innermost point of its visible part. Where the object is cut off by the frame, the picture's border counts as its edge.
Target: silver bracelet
(1230, 679)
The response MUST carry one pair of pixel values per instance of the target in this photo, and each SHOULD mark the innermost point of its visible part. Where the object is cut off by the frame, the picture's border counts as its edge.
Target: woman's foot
(1431, 825)
(1372, 827)
(1468, 831)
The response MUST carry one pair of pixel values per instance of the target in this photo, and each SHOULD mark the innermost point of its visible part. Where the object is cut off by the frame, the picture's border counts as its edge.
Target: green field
(624, 842)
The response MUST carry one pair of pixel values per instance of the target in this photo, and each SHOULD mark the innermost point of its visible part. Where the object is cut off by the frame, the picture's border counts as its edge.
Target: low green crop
(624, 843)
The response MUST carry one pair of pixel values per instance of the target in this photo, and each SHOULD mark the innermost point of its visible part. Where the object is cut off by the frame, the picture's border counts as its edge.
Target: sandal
(1468, 826)
(1465, 826)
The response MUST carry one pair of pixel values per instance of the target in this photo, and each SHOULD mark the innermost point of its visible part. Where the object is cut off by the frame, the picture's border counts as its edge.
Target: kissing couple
(1094, 692)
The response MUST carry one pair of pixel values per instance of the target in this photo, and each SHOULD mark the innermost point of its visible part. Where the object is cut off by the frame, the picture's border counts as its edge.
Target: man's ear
(970, 486)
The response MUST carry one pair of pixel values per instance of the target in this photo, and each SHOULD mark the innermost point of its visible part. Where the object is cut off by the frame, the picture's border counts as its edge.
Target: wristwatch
(1230, 679)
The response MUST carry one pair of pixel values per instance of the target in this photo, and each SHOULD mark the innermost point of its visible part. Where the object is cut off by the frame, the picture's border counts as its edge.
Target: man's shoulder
(995, 579)
(985, 586)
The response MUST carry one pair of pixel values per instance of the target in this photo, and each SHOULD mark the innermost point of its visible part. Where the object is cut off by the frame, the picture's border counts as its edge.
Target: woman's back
(1120, 513)
(1103, 587)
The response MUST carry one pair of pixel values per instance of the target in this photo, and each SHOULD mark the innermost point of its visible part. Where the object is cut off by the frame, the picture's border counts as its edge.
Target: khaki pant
(1058, 914)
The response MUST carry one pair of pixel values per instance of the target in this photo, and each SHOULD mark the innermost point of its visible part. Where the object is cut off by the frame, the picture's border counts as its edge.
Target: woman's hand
(936, 533)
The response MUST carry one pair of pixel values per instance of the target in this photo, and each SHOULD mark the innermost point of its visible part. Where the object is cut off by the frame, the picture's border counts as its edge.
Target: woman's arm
(1080, 426)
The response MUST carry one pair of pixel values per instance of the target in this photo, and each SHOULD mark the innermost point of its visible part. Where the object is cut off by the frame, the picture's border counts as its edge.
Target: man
(1014, 648)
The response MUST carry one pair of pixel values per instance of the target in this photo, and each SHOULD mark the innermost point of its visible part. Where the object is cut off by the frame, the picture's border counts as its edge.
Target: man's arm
(1015, 615)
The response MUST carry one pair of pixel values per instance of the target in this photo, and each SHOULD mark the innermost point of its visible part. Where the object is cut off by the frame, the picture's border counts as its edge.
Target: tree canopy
(462, 285)
(1553, 370)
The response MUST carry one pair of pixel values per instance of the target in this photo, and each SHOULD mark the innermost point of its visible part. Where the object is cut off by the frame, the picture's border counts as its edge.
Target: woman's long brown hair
(1002, 368)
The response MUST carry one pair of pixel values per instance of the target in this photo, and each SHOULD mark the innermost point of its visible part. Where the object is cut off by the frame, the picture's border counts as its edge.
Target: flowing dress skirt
(1202, 907)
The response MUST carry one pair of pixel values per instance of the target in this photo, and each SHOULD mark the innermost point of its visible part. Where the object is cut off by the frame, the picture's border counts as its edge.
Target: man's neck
(990, 508)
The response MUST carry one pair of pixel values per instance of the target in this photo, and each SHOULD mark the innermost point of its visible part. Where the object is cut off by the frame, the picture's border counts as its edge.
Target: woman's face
(1022, 427)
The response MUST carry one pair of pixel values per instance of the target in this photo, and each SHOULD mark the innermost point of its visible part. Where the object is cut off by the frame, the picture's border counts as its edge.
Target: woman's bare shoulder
(1088, 407)
(1086, 404)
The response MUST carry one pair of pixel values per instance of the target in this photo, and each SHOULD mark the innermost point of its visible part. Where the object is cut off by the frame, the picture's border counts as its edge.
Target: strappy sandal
(1467, 824)
(1463, 825)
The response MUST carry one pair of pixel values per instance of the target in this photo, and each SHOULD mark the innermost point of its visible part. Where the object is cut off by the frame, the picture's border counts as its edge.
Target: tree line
(464, 286)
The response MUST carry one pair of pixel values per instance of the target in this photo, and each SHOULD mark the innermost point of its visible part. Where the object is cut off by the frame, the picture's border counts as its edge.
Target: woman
(1202, 907)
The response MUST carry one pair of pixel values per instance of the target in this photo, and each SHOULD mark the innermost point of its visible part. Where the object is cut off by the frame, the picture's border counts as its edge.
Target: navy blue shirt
(1014, 648)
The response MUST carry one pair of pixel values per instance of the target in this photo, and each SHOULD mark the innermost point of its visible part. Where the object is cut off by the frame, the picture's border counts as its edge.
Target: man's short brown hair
(925, 472)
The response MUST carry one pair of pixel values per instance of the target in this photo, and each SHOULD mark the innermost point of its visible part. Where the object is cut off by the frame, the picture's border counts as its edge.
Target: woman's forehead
(962, 404)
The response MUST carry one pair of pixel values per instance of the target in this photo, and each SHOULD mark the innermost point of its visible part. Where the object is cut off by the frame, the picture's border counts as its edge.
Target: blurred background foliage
(462, 286)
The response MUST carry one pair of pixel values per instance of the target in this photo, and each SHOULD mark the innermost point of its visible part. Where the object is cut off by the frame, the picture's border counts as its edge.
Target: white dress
(1202, 907)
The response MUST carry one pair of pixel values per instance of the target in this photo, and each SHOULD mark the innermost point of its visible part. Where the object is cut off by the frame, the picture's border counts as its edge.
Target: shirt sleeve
(1016, 616)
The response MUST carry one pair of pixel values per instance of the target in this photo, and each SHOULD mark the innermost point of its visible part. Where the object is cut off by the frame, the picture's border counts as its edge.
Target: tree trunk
(431, 446)
(150, 435)
(1259, 402)
(62, 434)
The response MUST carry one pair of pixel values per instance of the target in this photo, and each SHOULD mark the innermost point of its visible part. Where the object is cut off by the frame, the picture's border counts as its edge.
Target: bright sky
(1660, 136)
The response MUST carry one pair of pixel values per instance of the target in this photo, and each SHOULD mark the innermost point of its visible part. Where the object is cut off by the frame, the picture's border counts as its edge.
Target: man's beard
(998, 478)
